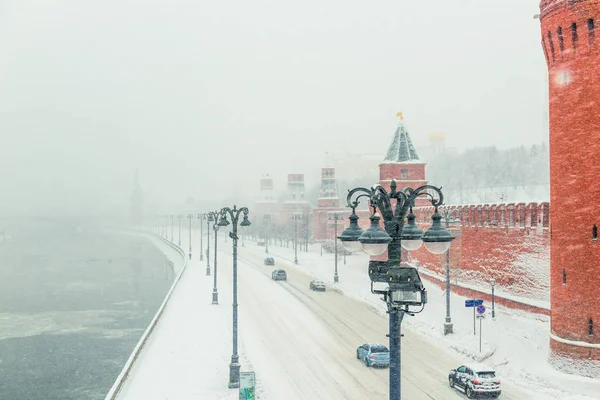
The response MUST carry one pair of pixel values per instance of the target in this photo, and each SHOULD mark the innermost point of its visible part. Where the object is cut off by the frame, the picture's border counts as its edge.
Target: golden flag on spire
(399, 115)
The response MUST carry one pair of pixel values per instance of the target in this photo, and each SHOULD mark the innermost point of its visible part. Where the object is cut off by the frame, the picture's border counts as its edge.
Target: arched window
(574, 36)
(594, 232)
(564, 276)
(551, 44)
(561, 40)
(591, 31)
(590, 327)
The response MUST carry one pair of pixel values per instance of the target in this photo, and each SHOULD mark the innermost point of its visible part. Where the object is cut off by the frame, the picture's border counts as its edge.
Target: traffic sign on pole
(473, 302)
(481, 309)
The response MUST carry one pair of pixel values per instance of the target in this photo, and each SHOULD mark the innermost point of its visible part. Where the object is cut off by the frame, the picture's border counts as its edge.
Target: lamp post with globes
(172, 226)
(215, 294)
(267, 219)
(211, 216)
(335, 216)
(201, 217)
(447, 215)
(405, 288)
(493, 284)
(234, 214)
(296, 217)
(179, 236)
(190, 216)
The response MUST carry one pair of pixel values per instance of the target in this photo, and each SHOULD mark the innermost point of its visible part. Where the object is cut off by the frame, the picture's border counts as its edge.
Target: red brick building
(572, 53)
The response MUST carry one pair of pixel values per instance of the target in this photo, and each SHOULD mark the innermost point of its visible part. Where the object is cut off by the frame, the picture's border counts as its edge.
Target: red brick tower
(403, 164)
(573, 58)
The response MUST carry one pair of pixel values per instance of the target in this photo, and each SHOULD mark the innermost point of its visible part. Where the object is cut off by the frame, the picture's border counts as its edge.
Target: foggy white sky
(202, 96)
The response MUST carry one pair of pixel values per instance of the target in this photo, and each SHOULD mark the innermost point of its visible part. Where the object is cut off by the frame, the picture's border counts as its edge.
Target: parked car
(317, 285)
(374, 355)
(475, 379)
(279, 275)
(269, 261)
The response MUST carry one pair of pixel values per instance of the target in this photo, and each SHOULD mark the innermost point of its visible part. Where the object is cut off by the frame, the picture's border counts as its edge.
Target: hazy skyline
(205, 97)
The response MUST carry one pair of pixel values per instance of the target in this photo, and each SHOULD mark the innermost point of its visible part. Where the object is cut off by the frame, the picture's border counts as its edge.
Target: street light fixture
(172, 226)
(211, 216)
(200, 218)
(215, 293)
(234, 214)
(179, 237)
(493, 283)
(296, 217)
(267, 219)
(448, 326)
(335, 216)
(405, 288)
(190, 216)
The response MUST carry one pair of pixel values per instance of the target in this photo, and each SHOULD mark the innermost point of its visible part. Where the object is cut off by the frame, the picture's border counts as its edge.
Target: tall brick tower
(402, 163)
(572, 54)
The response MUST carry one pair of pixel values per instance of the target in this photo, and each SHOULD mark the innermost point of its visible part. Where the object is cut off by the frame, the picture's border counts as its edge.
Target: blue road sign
(480, 309)
(473, 302)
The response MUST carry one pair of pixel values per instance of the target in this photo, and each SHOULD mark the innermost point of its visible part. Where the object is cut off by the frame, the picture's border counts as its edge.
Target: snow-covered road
(303, 343)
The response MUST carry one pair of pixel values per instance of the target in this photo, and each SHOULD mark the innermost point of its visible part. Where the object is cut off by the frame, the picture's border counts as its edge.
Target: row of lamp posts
(219, 218)
(404, 291)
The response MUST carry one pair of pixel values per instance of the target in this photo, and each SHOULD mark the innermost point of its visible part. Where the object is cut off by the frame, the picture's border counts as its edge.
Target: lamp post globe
(374, 240)
(411, 237)
(349, 237)
(437, 238)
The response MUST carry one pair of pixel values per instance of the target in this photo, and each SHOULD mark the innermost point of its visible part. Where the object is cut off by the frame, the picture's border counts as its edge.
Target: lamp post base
(295, 261)
(234, 375)
(336, 278)
(201, 258)
(215, 297)
(448, 328)
(207, 271)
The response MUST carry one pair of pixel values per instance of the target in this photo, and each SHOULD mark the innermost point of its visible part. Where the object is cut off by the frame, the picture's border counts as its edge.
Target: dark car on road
(374, 355)
(279, 275)
(269, 261)
(475, 380)
(317, 285)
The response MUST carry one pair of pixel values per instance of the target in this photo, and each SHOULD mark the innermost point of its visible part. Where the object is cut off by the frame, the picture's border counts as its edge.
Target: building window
(591, 32)
(561, 40)
(574, 37)
(564, 276)
(404, 173)
(590, 327)
(551, 44)
(594, 232)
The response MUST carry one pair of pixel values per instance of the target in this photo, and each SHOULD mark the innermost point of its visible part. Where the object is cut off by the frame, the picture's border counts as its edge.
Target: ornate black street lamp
(212, 216)
(448, 327)
(200, 218)
(190, 216)
(296, 217)
(493, 284)
(215, 293)
(267, 219)
(335, 216)
(172, 226)
(234, 214)
(405, 288)
(179, 237)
